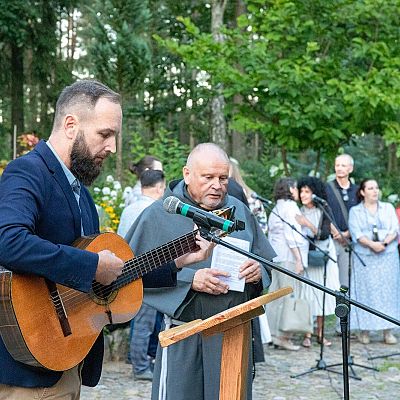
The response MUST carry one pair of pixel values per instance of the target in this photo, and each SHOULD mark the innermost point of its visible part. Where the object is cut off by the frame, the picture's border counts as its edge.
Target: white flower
(273, 170)
(105, 198)
(106, 190)
(96, 190)
(113, 194)
(117, 185)
(109, 178)
(393, 198)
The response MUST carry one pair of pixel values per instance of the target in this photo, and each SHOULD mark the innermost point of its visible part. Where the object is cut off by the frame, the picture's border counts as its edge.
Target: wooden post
(15, 142)
(234, 323)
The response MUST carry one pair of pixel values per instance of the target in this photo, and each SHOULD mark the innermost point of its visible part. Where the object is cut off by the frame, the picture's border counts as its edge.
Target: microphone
(201, 217)
(254, 195)
(317, 199)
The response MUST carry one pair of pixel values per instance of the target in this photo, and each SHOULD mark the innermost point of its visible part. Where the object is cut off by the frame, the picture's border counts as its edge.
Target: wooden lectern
(234, 323)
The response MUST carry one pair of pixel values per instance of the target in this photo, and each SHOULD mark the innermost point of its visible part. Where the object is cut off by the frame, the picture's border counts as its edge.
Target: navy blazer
(39, 219)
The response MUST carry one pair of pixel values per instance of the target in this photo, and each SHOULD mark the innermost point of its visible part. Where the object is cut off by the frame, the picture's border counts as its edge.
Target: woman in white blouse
(291, 249)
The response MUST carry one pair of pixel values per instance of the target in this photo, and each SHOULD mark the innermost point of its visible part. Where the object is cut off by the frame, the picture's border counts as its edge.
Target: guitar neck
(136, 267)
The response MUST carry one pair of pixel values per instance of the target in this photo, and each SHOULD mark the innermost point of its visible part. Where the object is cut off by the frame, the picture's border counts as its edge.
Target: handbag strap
(339, 199)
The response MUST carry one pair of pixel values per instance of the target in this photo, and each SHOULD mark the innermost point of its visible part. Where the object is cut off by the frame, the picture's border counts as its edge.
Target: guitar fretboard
(136, 267)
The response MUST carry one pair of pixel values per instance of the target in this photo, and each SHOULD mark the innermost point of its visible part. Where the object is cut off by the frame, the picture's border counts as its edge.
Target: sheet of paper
(228, 260)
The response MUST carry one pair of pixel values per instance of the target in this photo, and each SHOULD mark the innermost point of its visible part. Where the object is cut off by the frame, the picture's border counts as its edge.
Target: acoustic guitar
(48, 325)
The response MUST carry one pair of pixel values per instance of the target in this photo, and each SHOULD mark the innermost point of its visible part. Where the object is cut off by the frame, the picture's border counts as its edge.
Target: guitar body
(30, 326)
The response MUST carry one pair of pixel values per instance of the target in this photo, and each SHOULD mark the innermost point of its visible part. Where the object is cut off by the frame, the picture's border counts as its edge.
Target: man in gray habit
(192, 368)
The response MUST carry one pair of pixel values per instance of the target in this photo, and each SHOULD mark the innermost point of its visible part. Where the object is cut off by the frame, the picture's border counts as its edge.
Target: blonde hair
(234, 172)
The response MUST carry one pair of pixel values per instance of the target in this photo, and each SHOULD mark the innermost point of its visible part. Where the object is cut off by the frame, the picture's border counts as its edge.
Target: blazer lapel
(55, 168)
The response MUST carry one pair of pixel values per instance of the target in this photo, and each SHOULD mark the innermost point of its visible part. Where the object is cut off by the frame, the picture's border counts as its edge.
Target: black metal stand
(349, 248)
(321, 364)
(340, 298)
(384, 356)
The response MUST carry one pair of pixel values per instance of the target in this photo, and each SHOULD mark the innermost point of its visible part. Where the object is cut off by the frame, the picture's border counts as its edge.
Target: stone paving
(273, 378)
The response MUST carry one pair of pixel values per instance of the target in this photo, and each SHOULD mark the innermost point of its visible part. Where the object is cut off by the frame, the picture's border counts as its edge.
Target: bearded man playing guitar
(58, 292)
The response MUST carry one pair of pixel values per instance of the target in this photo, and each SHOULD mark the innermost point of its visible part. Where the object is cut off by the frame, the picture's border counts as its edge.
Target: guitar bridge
(59, 307)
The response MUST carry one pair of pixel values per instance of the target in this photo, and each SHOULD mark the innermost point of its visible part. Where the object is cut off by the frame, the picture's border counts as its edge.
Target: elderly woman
(374, 229)
(291, 250)
(316, 226)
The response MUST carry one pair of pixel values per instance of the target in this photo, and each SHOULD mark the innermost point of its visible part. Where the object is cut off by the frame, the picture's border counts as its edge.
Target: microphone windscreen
(170, 204)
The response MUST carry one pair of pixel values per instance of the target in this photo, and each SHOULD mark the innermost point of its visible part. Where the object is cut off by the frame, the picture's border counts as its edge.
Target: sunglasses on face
(345, 195)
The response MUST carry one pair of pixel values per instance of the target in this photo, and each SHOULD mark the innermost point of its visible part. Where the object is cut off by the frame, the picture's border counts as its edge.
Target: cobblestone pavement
(273, 380)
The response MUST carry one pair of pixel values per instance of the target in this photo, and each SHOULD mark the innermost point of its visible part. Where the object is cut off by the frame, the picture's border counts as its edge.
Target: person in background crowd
(374, 230)
(144, 326)
(145, 163)
(192, 367)
(152, 186)
(341, 196)
(255, 205)
(316, 225)
(291, 249)
(238, 188)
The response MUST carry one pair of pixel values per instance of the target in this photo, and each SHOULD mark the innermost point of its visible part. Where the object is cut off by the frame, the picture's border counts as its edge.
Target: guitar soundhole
(102, 294)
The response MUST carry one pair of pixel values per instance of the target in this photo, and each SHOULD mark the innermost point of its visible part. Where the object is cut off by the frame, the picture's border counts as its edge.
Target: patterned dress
(377, 283)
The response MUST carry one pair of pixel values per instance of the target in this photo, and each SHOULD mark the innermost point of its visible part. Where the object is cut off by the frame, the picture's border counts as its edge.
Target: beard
(85, 166)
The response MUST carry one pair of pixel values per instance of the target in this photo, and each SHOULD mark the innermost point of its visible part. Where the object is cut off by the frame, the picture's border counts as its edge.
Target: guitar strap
(340, 200)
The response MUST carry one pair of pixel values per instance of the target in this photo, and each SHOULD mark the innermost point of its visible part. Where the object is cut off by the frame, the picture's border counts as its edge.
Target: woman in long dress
(316, 226)
(291, 250)
(374, 230)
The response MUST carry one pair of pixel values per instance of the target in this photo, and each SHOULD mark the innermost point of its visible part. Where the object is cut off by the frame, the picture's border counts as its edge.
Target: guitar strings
(73, 298)
(134, 268)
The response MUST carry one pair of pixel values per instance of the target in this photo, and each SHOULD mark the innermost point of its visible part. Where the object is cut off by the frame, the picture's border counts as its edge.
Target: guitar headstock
(227, 213)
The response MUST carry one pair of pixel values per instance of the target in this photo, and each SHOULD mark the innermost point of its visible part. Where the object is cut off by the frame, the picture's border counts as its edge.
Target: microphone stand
(321, 364)
(343, 302)
(349, 246)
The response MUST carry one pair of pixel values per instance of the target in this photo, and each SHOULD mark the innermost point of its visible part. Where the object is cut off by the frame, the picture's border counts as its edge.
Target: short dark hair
(142, 165)
(151, 177)
(316, 185)
(83, 92)
(282, 188)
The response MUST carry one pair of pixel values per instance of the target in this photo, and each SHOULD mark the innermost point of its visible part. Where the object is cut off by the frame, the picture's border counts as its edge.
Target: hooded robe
(193, 365)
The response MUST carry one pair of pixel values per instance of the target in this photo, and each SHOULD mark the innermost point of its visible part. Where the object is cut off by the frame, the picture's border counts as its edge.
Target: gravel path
(273, 381)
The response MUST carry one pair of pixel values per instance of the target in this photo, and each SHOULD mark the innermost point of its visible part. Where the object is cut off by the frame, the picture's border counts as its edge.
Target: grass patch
(389, 364)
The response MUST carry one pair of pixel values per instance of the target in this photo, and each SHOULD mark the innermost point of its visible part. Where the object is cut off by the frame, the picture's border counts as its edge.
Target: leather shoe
(285, 344)
(389, 338)
(364, 338)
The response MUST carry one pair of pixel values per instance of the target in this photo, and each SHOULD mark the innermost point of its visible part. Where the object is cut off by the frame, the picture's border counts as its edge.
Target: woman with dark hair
(144, 164)
(291, 250)
(374, 229)
(316, 225)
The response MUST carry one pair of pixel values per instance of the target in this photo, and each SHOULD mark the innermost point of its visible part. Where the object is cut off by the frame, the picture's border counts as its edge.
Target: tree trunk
(317, 162)
(17, 89)
(120, 139)
(285, 160)
(218, 123)
(392, 166)
(238, 141)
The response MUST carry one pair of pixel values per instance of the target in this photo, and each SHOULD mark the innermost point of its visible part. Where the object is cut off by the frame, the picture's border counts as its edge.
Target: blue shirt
(75, 184)
(362, 222)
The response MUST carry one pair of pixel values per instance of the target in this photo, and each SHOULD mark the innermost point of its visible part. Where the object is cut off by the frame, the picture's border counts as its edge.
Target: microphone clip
(202, 221)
